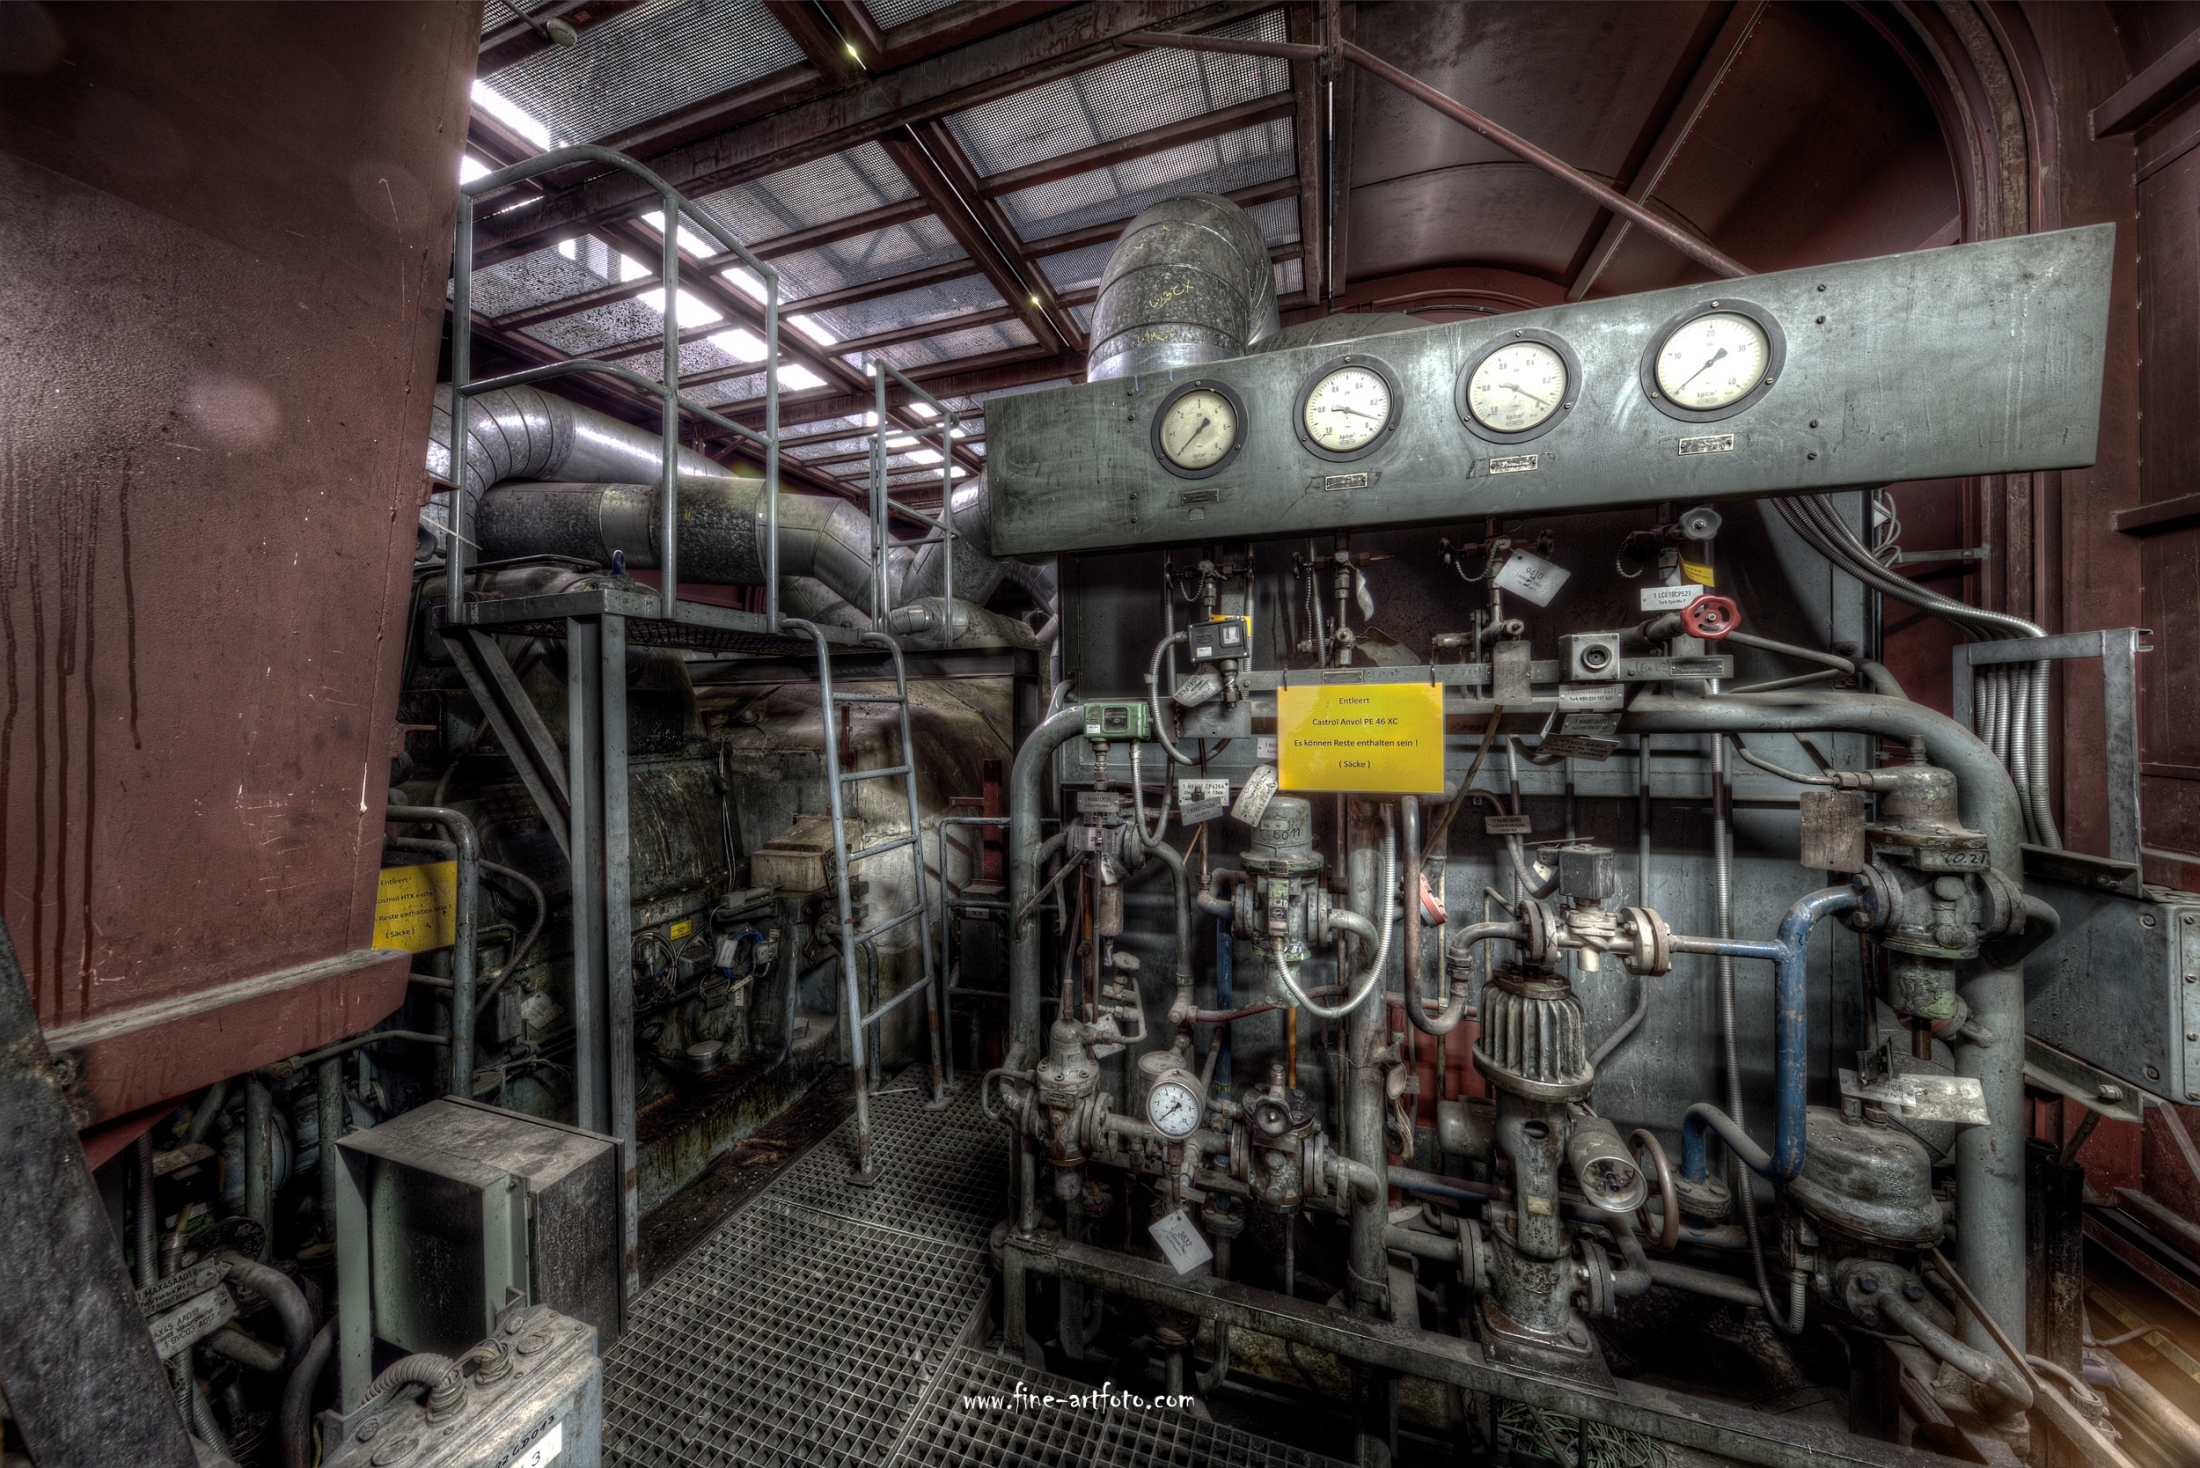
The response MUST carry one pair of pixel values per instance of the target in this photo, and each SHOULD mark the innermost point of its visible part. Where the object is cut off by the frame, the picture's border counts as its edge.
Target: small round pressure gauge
(1713, 360)
(1348, 407)
(1174, 1106)
(1199, 429)
(1518, 386)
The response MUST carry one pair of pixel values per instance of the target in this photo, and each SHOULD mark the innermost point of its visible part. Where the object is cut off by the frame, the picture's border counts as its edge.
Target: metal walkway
(827, 1324)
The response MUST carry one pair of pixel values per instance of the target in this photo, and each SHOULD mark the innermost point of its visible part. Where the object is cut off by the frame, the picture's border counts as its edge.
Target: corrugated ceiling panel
(949, 298)
(657, 58)
(817, 192)
(905, 247)
(1249, 156)
(959, 344)
(532, 280)
(1123, 97)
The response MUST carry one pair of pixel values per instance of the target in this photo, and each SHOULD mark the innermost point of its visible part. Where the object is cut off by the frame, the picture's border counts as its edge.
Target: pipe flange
(1880, 899)
(2005, 914)
(1543, 927)
(1474, 1257)
(1653, 943)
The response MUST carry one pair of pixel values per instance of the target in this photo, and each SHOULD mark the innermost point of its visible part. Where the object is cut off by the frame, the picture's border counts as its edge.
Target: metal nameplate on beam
(1983, 358)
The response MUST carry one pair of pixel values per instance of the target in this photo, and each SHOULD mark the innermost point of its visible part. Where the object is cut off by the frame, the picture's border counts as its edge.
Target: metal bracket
(2118, 649)
(518, 725)
(2054, 1070)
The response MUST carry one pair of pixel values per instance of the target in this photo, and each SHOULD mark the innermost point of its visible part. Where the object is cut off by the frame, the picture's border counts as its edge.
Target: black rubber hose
(295, 1421)
(283, 1297)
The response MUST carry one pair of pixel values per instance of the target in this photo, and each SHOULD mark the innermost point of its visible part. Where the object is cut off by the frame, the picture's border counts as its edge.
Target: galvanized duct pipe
(1989, 1159)
(1189, 282)
(526, 433)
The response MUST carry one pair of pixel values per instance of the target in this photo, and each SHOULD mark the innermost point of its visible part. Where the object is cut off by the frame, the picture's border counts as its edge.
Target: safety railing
(667, 390)
(883, 505)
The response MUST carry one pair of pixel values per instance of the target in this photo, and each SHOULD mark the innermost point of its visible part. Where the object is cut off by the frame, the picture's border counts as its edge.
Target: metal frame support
(949, 902)
(1696, 1422)
(83, 1381)
(591, 976)
(518, 726)
(2118, 649)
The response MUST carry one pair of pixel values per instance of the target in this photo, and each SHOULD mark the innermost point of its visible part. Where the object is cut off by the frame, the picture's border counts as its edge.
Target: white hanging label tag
(1260, 788)
(1669, 598)
(1179, 1239)
(1530, 577)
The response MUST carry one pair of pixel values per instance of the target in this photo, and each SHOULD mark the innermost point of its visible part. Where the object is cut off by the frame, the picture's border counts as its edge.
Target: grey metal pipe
(1189, 281)
(2156, 1410)
(1980, 1367)
(142, 1226)
(259, 1156)
(1366, 1032)
(1174, 861)
(460, 1076)
(1026, 788)
(209, 1107)
(1989, 1159)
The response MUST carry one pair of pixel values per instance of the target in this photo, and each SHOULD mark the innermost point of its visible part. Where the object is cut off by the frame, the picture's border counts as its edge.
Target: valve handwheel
(1711, 617)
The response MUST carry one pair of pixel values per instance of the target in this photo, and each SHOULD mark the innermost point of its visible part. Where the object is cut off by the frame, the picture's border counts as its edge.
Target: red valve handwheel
(1711, 617)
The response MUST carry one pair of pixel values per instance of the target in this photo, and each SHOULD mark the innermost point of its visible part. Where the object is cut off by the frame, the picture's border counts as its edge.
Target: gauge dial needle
(1358, 413)
(1706, 367)
(1194, 434)
(1531, 397)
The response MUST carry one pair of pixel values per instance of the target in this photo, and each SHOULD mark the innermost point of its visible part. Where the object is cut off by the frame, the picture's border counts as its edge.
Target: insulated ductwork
(1189, 282)
(526, 433)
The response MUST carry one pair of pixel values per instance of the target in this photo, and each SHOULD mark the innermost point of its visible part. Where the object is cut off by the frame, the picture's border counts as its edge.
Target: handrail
(677, 207)
(882, 503)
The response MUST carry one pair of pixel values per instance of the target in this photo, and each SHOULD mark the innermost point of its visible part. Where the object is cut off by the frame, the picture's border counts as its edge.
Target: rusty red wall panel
(227, 230)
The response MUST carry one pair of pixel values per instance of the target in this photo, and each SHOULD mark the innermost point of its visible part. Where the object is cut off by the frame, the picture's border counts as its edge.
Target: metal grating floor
(828, 1324)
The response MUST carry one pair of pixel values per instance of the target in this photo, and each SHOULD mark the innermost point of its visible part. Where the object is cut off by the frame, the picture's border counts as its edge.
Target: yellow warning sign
(1361, 736)
(416, 908)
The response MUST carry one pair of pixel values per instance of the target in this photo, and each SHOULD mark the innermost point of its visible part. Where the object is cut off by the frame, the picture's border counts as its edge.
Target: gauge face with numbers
(1517, 387)
(1347, 407)
(1199, 429)
(1713, 360)
(1173, 1108)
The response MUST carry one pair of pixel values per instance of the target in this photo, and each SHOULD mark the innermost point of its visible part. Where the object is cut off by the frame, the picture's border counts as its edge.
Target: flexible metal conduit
(1989, 1159)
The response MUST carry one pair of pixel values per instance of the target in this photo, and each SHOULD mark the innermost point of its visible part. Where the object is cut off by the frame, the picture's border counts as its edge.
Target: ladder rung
(889, 925)
(882, 848)
(868, 698)
(912, 992)
(850, 779)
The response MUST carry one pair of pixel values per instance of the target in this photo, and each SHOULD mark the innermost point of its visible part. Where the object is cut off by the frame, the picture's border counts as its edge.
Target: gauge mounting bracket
(1775, 359)
(1489, 349)
(1313, 379)
(1228, 394)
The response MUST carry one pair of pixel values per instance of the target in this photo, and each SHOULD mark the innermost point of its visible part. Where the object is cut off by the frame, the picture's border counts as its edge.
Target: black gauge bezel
(1489, 349)
(1775, 359)
(1199, 384)
(1313, 380)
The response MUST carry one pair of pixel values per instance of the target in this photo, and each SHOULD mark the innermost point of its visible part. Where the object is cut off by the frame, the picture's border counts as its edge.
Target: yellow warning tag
(416, 908)
(684, 926)
(1362, 736)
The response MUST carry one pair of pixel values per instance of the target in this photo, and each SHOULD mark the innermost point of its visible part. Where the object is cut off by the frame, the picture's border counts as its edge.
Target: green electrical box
(1122, 720)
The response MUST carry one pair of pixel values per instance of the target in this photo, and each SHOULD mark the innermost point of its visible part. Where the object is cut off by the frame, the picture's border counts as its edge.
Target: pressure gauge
(1174, 1106)
(1198, 429)
(1517, 386)
(1348, 407)
(1713, 360)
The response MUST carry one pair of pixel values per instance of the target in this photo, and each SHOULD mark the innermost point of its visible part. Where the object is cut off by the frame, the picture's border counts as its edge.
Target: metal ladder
(866, 1169)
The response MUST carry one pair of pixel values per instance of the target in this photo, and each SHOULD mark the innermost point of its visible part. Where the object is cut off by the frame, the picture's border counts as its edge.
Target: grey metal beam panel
(1974, 359)
(76, 1359)
(618, 947)
(584, 732)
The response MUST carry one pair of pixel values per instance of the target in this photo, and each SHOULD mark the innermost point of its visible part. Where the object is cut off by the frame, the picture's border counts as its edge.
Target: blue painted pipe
(1790, 956)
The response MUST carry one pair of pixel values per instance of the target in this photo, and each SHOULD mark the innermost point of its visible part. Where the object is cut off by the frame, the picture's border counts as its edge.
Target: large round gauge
(1713, 360)
(1517, 386)
(1348, 407)
(1173, 1106)
(1199, 429)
